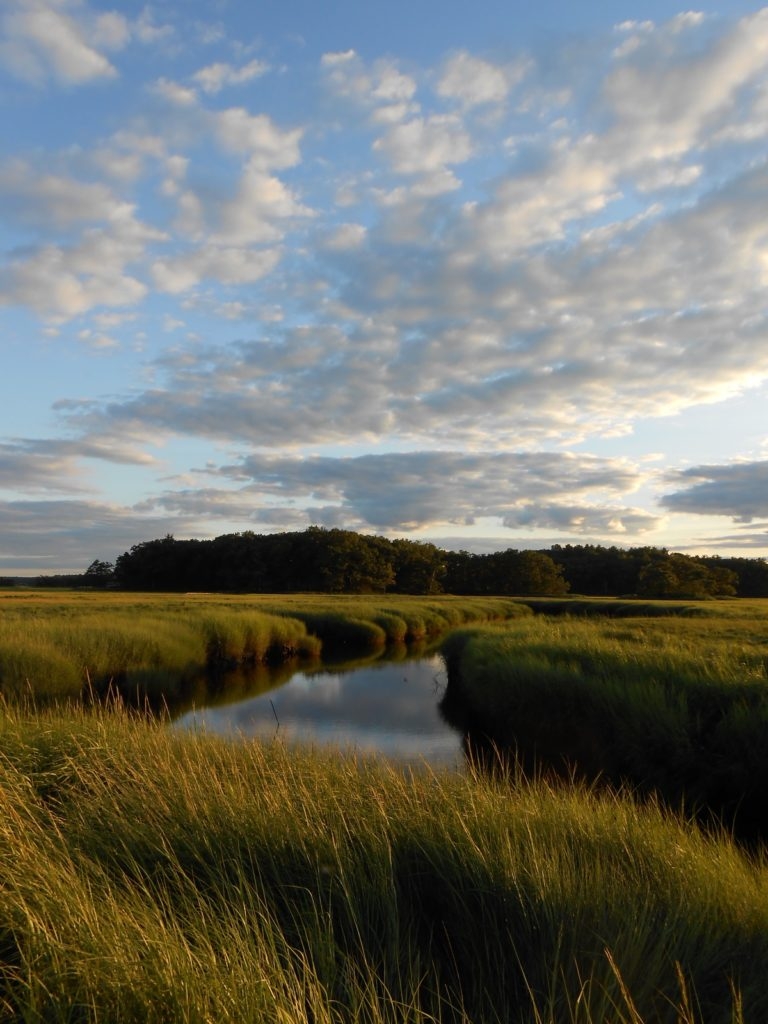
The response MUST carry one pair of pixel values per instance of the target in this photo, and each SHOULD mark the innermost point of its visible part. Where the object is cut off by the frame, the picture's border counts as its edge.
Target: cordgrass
(151, 877)
(669, 706)
(55, 646)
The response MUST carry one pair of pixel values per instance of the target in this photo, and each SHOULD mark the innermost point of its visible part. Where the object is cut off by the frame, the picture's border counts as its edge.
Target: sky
(488, 275)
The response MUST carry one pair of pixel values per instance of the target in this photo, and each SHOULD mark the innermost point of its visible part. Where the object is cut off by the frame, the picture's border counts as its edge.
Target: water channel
(387, 708)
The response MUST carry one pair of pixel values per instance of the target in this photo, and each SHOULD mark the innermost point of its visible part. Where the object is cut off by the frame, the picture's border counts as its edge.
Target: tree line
(341, 561)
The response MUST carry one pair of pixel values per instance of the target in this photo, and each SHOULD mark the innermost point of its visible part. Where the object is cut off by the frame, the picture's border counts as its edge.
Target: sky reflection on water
(388, 708)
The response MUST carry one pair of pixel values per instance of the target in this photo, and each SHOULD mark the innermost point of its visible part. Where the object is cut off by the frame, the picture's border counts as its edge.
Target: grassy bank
(156, 878)
(675, 706)
(56, 645)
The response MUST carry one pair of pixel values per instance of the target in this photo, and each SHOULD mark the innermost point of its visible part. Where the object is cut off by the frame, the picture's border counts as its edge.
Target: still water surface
(387, 708)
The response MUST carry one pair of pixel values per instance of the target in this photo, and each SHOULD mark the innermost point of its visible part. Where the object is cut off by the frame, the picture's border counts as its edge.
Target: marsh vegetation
(154, 647)
(157, 878)
(153, 875)
(674, 704)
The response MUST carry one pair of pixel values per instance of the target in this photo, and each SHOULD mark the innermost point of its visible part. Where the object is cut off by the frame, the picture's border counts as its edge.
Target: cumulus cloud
(174, 92)
(381, 89)
(145, 29)
(738, 490)
(267, 146)
(751, 542)
(434, 488)
(544, 490)
(665, 98)
(38, 466)
(425, 145)
(228, 265)
(345, 237)
(51, 464)
(472, 81)
(425, 335)
(42, 39)
(42, 199)
(215, 77)
(512, 255)
(255, 214)
(62, 281)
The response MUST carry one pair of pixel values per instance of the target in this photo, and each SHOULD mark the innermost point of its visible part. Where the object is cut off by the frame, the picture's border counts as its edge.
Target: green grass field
(673, 705)
(60, 645)
(152, 876)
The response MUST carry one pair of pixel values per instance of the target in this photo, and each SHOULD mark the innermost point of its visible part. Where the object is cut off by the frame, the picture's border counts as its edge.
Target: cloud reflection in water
(390, 708)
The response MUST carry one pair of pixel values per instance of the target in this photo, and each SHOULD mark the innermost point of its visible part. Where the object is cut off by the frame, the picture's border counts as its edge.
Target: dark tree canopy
(517, 573)
(344, 562)
(332, 562)
(647, 572)
(326, 561)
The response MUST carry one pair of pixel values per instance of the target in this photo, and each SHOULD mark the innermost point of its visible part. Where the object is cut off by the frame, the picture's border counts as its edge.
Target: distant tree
(238, 562)
(684, 577)
(350, 563)
(419, 568)
(69, 579)
(599, 571)
(751, 573)
(510, 572)
(166, 564)
(460, 575)
(99, 574)
(658, 579)
(538, 575)
(342, 561)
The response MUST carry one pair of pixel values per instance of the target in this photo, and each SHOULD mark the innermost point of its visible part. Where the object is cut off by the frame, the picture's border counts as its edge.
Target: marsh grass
(56, 645)
(151, 877)
(678, 708)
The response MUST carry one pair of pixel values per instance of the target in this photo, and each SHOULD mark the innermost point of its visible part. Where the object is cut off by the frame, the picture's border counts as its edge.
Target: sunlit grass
(56, 645)
(147, 876)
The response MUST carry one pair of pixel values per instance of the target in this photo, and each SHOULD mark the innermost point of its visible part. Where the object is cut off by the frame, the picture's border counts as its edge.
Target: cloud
(175, 93)
(569, 182)
(473, 82)
(256, 213)
(145, 29)
(63, 281)
(51, 536)
(489, 256)
(345, 237)
(750, 541)
(42, 199)
(667, 97)
(425, 145)
(228, 265)
(425, 490)
(215, 77)
(267, 146)
(51, 464)
(44, 39)
(211, 80)
(434, 488)
(384, 92)
(738, 490)
(429, 327)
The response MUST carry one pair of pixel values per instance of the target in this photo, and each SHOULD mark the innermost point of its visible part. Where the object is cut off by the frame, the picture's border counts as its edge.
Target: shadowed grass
(151, 877)
(675, 708)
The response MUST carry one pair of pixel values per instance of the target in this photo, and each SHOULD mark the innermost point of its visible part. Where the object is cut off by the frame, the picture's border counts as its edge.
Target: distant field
(60, 645)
